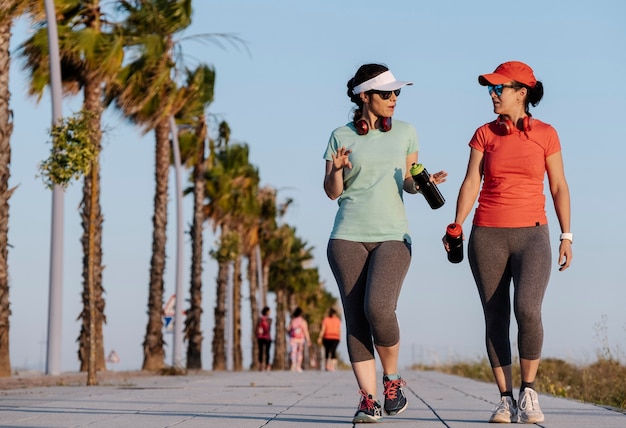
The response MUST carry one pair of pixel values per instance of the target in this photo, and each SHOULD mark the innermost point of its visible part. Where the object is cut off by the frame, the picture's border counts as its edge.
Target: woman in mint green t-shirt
(369, 251)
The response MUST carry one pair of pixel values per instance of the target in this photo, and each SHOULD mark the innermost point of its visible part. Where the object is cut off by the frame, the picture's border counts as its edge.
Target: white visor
(383, 82)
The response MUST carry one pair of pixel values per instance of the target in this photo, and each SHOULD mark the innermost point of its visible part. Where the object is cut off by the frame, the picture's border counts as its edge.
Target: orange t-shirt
(332, 328)
(514, 167)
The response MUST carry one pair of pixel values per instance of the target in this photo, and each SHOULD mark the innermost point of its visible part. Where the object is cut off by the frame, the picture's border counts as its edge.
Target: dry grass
(602, 382)
(37, 379)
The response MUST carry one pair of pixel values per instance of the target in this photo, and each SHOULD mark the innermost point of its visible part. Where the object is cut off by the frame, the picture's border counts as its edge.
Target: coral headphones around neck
(362, 128)
(506, 127)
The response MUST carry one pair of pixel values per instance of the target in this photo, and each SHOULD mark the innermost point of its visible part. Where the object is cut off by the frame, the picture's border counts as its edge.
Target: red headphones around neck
(506, 127)
(362, 128)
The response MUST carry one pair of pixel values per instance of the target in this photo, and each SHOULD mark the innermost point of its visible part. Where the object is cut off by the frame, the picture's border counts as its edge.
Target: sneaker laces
(504, 405)
(367, 402)
(528, 400)
(391, 388)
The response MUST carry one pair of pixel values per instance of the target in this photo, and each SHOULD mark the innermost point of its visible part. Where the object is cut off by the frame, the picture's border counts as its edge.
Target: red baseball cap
(512, 70)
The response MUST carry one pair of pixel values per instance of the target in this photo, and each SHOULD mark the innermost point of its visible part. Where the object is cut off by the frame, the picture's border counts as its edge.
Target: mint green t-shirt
(371, 208)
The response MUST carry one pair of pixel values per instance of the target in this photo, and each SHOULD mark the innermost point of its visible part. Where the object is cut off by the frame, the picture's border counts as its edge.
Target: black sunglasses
(385, 95)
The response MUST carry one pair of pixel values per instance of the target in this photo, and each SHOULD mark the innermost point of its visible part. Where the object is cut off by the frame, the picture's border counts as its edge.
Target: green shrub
(72, 151)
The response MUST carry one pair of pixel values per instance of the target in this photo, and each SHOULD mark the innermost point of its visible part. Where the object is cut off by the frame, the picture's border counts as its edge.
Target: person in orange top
(510, 240)
(330, 335)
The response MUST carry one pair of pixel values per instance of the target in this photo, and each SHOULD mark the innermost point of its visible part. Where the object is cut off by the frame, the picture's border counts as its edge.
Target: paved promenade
(274, 400)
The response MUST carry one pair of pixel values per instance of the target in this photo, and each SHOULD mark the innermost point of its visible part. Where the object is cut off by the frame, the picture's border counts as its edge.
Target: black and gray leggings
(497, 256)
(369, 276)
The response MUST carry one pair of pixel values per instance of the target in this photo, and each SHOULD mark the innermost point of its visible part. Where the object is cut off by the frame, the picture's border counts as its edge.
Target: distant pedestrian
(298, 339)
(330, 335)
(264, 339)
(509, 241)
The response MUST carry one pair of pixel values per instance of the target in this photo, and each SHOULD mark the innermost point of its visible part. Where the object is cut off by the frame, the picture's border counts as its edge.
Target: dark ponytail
(535, 94)
(363, 74)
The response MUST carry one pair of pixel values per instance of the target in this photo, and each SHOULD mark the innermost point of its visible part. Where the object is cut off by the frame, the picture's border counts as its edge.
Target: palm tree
(272, 237)
(245, 216)
(251, 246)
(6, 129)
(91, 54)
(247, 226)
(232, 185)
(147, 94)
(224, 255)
(193, 147)
(288, 277)
(275, 251)
(244, 223)
(9, 10)
(217, 193)
(269, 246)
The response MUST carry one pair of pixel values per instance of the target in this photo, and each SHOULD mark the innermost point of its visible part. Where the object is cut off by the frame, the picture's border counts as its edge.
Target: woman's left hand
(438, 177)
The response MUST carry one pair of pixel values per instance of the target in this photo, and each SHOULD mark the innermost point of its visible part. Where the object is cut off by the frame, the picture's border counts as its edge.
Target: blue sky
(285, 96)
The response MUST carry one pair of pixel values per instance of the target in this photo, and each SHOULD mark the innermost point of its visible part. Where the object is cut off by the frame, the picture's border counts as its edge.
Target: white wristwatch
(568, 236)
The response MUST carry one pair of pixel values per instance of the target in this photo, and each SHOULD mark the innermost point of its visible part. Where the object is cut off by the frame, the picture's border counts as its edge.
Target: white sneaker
(529, 410)
(505, 411)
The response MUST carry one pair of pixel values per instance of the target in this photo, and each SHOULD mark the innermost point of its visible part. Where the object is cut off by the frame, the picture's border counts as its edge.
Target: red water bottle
(454, 236)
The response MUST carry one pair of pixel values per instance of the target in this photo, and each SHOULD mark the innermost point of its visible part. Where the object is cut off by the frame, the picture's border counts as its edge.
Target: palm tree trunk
(193, 332)
(6, 129)
(91, 371)
(280, 346)
(237, 354)
(219, 313)
(92, 352)
(153, 352)
(265, 281)
(254, 306)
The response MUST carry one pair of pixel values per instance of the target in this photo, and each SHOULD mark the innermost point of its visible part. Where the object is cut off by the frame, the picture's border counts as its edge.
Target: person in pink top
(298, 339)
(330, 335)
(509, 240)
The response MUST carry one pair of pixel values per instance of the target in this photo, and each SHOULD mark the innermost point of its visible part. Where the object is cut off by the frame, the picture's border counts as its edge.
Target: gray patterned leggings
(369, 276)
(497, 256)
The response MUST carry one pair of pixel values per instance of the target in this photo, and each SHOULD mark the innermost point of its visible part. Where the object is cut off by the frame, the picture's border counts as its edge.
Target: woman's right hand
(333, 178)
(341, 159)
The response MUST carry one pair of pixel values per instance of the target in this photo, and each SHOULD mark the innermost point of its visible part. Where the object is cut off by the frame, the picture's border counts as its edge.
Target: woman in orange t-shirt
(330, 335)
(509, 240)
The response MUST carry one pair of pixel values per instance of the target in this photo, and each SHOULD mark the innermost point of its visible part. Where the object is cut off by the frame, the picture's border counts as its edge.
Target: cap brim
(493, 79)
(392, 86)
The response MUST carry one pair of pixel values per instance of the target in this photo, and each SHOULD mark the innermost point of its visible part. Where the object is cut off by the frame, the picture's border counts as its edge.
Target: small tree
(71, 153)
(73, 156)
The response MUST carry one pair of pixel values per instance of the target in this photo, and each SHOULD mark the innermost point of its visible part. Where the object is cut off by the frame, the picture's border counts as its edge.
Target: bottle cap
(454, 230)
(416, 168)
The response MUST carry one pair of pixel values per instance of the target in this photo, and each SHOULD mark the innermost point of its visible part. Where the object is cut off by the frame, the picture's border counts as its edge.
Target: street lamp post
(55, 298)
(178, 316)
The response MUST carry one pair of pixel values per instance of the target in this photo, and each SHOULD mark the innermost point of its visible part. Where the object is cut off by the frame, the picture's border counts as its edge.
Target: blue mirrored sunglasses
(385, 95)
(498, 88)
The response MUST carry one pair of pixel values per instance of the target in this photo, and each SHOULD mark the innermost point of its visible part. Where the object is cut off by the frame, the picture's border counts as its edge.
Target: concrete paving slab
(270, 400)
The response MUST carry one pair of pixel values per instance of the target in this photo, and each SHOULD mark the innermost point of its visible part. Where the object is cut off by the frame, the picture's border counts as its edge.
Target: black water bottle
(428, 188)
(454, 236)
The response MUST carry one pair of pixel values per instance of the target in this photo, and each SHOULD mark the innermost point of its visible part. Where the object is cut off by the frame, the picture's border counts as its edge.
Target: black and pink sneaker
(395, 401)
(369, 410)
